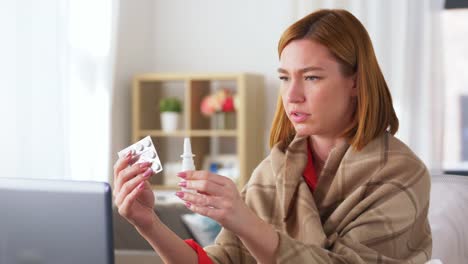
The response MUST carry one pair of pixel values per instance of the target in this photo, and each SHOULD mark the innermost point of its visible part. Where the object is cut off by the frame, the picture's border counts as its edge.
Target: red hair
(350, 44)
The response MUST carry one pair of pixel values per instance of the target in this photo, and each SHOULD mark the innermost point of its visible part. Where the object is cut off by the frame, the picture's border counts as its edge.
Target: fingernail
(179, 194)
(148, 173)
(141, 185)
(188, 204)
(182, 175)
(128, 155)
(145, 164)
(182, 184)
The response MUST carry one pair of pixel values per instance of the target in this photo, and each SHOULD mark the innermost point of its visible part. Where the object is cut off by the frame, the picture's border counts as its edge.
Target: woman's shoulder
(384, 149)
(390, 159)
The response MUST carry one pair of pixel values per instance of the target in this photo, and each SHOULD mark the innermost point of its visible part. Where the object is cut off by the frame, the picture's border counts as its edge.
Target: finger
(204, 186)
(122, 163)
(203, 175)
(210, 212)
(202, 200)
(128, 186)
(148, 185)
(129, 159)
(124, 209)
(119, 165)
(129, 173)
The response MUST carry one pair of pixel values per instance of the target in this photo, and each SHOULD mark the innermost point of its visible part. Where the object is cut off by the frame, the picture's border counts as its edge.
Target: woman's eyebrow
(281, 70)
(306, 69)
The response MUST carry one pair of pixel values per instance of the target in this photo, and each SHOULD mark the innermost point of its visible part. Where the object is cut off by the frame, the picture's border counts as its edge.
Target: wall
(135, 53)
(196, 36)
(222, 36)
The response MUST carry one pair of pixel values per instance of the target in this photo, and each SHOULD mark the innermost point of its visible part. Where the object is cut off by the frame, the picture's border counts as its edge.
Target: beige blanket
(368, 207)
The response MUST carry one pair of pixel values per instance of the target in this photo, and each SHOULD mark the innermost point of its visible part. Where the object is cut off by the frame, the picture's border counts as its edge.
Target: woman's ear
(354, 88)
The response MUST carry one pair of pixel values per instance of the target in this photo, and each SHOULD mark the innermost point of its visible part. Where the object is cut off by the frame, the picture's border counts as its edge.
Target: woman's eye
(311, 78)
(283, 78)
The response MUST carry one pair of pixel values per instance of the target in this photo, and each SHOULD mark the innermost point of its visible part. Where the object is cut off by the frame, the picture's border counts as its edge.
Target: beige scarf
(368, 207)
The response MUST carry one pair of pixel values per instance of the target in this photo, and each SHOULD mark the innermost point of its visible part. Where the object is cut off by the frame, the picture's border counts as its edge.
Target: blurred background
(67, 67)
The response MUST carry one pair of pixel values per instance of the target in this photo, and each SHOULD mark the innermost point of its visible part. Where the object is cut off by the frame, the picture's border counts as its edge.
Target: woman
(337, 187)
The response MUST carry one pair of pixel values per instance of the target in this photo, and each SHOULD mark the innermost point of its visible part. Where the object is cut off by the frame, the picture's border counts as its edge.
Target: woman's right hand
(133, 195)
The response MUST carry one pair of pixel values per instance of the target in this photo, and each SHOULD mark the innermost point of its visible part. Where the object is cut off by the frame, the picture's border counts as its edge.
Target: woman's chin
(303, 130)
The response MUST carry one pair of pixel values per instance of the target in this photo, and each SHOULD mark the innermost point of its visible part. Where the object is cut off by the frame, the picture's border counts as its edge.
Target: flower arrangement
(223, 100)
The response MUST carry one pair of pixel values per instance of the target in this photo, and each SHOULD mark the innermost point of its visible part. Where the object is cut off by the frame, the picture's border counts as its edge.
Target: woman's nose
(295, 93)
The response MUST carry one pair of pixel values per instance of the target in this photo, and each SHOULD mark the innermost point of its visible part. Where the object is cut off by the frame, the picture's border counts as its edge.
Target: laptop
(55, 221)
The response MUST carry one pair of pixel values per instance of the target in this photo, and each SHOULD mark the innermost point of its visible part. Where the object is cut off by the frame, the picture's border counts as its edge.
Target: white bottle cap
(187, 149)
(187, 160)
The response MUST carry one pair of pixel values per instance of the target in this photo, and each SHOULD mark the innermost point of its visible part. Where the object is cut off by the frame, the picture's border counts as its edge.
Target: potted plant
(170, 109)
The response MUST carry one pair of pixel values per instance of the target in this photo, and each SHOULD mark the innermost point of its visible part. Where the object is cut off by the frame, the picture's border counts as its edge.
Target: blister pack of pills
(145, 151)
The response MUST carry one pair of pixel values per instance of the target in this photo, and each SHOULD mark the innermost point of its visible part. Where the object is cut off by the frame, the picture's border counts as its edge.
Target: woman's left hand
(217, 198)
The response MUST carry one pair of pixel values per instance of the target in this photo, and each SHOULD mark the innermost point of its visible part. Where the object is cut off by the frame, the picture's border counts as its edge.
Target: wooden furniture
(245, 139)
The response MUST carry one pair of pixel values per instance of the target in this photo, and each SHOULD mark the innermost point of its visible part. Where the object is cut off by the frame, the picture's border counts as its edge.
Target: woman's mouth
(298, 117)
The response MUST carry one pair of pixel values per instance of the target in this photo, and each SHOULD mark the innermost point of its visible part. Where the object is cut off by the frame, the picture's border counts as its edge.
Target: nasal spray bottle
(187, 160)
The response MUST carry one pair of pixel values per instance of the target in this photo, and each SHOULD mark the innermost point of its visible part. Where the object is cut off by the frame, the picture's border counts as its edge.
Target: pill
(148, 143)
(144, 151)
(139, 147)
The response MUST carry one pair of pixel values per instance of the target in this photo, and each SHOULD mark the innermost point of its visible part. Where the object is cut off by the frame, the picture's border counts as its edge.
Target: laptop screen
(55, 221)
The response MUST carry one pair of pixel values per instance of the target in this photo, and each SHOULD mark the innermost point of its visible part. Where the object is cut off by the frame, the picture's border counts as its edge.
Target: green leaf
(170, 104)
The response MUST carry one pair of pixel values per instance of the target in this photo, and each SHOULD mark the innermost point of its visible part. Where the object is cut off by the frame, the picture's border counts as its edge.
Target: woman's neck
(321, 148)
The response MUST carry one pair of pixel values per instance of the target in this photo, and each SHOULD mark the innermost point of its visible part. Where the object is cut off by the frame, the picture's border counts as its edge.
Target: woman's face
(317, 97)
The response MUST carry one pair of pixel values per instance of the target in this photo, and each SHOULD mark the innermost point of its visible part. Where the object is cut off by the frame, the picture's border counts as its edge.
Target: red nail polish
(182, 175)
(188, 204)
(182, 184)
(179, 194)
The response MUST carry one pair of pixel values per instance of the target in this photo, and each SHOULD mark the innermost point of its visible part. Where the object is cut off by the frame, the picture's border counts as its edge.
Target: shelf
(243, 140)
(190, 133)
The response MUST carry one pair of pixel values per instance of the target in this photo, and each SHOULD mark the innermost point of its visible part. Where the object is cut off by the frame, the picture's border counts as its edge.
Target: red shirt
(310, 176)
(202, 256)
